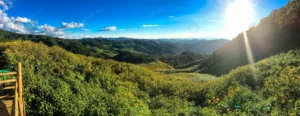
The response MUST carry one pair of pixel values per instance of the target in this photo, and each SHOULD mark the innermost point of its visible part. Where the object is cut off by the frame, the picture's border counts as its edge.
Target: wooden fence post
(20, 90)
(16, 112)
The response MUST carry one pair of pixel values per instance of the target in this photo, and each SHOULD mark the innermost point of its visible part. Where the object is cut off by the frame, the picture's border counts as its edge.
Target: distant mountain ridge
(127, 49)
(203, 46)
(147, 46)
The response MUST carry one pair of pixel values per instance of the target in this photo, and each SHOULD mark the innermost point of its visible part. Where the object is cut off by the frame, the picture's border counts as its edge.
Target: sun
(238, 17)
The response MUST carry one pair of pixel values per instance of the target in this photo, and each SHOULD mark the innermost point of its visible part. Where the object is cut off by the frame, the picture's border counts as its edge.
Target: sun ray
(248, 49)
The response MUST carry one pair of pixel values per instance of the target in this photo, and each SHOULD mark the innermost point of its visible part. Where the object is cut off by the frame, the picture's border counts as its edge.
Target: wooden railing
(16, 106)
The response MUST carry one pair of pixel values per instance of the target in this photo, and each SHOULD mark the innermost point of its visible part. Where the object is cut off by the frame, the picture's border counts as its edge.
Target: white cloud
(72, 25)
(171, 16)
(4, 6)
(20, 24)
(110, 28)
(58, 32)
(122, 29)
(84, 29)
(46, 28)
(145, 26)
(80, 36)
(8, 23)
(20, 20)
(50, 30)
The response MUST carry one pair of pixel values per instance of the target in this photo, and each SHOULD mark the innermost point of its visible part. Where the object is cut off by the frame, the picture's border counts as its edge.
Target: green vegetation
(279, 32)
(183, 60)
(57, 82)
(129, 50)
(157, 66)
(194, 76)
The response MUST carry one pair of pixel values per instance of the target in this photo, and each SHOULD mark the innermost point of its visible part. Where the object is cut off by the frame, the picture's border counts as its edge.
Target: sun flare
(238, 17)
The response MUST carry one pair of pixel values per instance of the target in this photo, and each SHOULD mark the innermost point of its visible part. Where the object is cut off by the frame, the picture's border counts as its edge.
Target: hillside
(57, 82)
(158, 65)
(279, 32)
(109, 47)
(183, 60)
(196, 45)
(129, 50)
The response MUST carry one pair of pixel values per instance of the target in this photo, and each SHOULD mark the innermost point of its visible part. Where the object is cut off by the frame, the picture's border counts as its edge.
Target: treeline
(279, 32)
(126, 49)
(183, 60)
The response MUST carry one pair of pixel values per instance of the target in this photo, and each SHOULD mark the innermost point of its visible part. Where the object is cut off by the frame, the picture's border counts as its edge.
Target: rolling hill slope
(109, 47)
(126, 49)
(57, 82)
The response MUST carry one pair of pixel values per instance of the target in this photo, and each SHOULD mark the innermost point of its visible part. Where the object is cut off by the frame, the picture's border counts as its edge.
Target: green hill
(129, 50)
(109, 47)
(279, 32)
(183, 60)
(158, 65)
(57, 82)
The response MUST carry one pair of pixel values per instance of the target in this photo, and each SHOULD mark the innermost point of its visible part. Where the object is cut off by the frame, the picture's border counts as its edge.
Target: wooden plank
(7, 88)
(6, 111)
(6, 103)
(6, 97)
(24, 111)
(8, 81)
(10, 73)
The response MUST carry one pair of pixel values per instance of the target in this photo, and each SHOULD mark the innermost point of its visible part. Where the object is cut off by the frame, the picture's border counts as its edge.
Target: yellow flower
(208, 101)
(291, 71)
(218, 99)
(281, 95)
(275, 98)
(238, 89)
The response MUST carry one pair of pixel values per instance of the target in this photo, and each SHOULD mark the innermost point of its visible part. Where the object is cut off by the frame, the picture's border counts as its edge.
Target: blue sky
(124, 18)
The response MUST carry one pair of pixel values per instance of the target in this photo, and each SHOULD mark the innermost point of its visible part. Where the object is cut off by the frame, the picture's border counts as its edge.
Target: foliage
(158, 65)
(183, 60)
(61, 83)
(121, 49)
(194, 76)
(57, 82)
